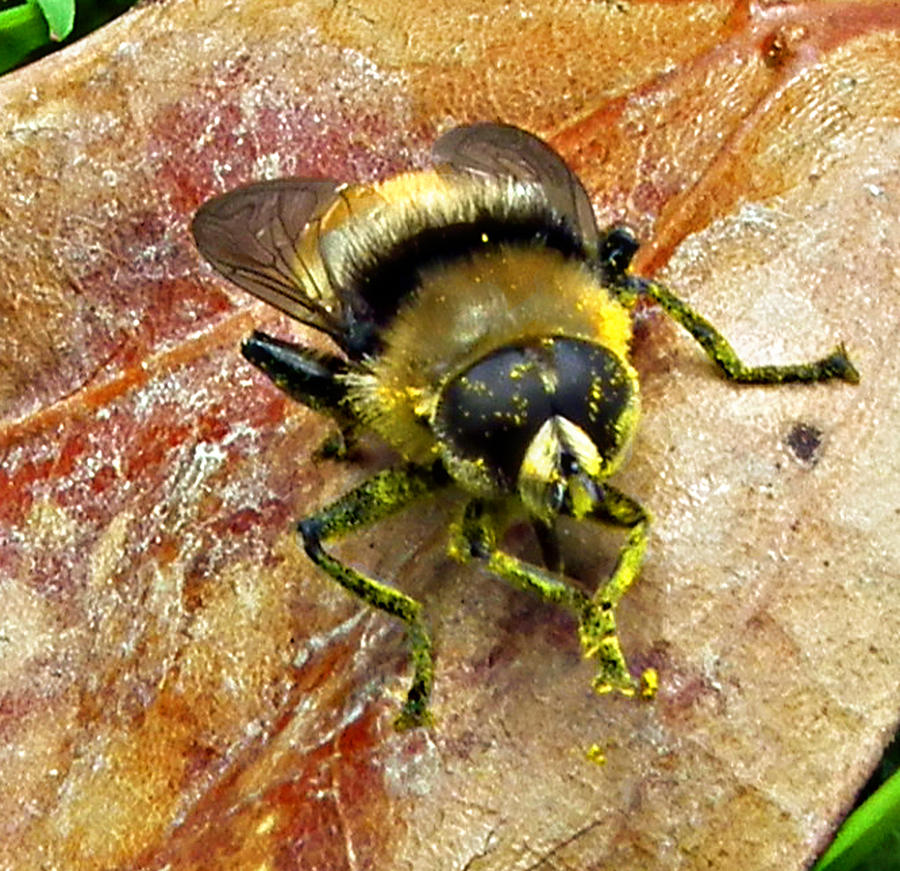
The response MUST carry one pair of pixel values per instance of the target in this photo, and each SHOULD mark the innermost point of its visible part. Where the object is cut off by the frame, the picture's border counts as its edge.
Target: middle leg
(374, 499)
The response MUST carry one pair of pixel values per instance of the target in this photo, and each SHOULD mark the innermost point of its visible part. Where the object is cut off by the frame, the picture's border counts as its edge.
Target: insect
(482, 323)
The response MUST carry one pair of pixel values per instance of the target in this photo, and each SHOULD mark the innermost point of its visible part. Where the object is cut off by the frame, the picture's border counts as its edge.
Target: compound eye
(489, 414)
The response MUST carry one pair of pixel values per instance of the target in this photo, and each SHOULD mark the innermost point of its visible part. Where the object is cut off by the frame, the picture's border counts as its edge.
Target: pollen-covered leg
(475, 536)
(598, 626)
(310, 377)
(375, 499)
(836, 365)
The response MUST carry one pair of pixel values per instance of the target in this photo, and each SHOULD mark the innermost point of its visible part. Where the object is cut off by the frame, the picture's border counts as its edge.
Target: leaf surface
(179, 687)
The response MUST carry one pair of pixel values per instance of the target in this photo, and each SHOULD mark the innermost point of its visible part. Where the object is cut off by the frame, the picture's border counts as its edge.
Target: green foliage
(869, 840)
(60, 15)
(23, 29)
(33, 28)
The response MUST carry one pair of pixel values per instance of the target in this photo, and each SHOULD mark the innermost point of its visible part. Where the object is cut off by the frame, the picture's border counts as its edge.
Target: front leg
(598, 630)
(382, 495)
(475, 536)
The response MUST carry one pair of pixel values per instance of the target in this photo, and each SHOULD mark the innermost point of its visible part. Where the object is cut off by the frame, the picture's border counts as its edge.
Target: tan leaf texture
(181, 689)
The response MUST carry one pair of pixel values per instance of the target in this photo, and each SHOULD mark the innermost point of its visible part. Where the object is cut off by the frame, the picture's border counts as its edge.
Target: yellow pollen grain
(265, 825)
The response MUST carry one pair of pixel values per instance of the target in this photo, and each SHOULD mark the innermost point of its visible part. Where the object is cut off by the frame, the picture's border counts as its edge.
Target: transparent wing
(264, 237)
(490, 149)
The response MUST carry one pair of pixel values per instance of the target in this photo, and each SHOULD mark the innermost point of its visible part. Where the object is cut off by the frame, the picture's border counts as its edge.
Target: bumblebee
(483, 325)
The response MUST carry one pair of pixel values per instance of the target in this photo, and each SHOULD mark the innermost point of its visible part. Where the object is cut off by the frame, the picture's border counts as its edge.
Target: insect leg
(598, 627)
(310, 377)
(836, 365)
(475, 536)
(381, 495)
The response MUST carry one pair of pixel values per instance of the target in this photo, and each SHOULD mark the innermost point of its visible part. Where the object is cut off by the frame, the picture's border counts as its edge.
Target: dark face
(492, 411)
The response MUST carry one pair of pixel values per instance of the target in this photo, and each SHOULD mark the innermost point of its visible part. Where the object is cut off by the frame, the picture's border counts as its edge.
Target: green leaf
(22, 30)
(869, 840)
(60, 15)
